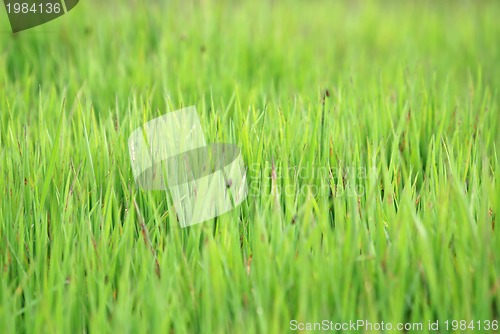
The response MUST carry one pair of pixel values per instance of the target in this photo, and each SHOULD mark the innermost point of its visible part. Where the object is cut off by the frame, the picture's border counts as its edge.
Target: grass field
(370, 133)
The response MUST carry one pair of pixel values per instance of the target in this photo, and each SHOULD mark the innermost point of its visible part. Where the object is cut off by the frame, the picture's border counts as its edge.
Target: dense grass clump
(370, 133)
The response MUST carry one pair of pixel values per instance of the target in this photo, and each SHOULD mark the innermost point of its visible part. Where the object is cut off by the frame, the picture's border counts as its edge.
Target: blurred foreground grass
(370, 132)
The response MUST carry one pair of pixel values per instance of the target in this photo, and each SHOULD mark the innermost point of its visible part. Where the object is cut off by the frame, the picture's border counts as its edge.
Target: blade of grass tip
(53, 157)
(88, 147)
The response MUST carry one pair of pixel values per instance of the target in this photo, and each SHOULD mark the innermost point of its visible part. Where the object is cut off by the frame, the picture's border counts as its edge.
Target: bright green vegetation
(402, 95)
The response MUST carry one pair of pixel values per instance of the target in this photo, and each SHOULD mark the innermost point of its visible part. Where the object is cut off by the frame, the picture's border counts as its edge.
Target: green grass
(370, 132)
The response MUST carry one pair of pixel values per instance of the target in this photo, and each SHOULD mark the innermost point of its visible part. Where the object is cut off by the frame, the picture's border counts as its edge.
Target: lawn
(370, 133)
